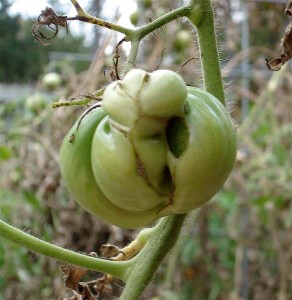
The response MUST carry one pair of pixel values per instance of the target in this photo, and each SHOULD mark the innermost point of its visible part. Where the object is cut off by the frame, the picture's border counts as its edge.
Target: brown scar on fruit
(72, 138)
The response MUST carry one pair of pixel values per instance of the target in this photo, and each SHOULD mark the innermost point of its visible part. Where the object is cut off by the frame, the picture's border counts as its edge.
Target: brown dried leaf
(72, 276)
(276, 63)
(108, 251)
(86, 293)
(288, 10)
(103, 286)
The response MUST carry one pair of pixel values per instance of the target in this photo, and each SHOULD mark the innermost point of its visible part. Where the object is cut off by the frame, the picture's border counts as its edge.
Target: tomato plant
(154, 148)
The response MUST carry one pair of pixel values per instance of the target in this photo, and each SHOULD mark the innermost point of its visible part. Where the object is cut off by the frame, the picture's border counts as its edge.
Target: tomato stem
(115, 268)
(204, 23)
(84, 17)
(150, 257)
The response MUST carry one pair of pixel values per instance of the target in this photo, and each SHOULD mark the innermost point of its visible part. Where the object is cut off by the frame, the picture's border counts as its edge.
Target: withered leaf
(108, 251)
(86, 293)
(72, 276)
(288, 10)
(275, 64)
(103, 286)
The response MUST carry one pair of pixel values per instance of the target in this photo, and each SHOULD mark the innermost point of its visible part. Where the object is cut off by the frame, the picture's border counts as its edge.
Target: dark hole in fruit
(177, 136)
(166, 185)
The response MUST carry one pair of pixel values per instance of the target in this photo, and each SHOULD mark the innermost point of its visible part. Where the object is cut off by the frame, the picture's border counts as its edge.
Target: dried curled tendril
(50, 19)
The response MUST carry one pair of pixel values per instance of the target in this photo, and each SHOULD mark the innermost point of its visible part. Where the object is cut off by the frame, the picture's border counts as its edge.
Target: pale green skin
(115, 167)
(76, 169)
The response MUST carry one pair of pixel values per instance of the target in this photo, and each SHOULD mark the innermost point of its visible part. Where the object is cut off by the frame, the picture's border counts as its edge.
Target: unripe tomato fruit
(36, 102)
(134, 17)
(51, 81)
(155, 148)
(182, 40)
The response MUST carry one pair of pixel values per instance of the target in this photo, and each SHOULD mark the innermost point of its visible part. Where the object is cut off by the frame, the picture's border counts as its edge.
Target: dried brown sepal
(108, 251)
(275, 64)
(115, 75)
(85, 292)
(103, 285)
(50, 19)
(72, 276)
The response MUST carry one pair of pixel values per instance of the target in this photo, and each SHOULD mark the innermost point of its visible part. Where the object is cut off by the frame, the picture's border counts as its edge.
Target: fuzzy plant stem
(204, 23)
(115, 268)
(150, 257)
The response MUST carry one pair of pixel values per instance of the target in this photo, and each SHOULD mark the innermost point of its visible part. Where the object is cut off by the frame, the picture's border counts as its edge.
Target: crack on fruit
(137, 99)
(142, 172)
(170, 201)
(124, 132)
(140, 169)
(121, 86)
(171, 196)
(166, 185)
(166, 182)
(146, 78)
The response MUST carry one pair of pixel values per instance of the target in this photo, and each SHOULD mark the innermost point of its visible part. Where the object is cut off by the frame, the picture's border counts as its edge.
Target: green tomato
(155, 148)
(182, 40)
(134, 17)
(35, 102)
(51, 81)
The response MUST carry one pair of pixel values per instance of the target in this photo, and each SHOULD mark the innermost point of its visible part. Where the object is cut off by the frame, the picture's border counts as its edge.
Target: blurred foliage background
(236, 247)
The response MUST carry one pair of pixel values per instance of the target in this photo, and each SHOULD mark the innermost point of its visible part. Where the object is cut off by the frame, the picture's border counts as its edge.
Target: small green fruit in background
(146, 3)
(182, 40)
(36, 102)
(134, 18)
(155, 148)
(51, 81)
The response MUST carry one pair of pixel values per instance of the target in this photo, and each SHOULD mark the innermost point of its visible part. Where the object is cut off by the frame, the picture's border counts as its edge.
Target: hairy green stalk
(115, 268)
(204, 23)
(150, 257)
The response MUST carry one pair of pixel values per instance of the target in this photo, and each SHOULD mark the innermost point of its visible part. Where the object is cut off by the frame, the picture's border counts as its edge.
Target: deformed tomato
(156, 147)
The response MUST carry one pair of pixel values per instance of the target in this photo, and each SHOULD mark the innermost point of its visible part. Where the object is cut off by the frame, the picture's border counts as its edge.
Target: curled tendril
(50, 19)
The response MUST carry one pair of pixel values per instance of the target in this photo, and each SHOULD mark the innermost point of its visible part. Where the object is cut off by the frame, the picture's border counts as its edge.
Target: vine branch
(115, 268)
(208, 48)
(84, 17)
